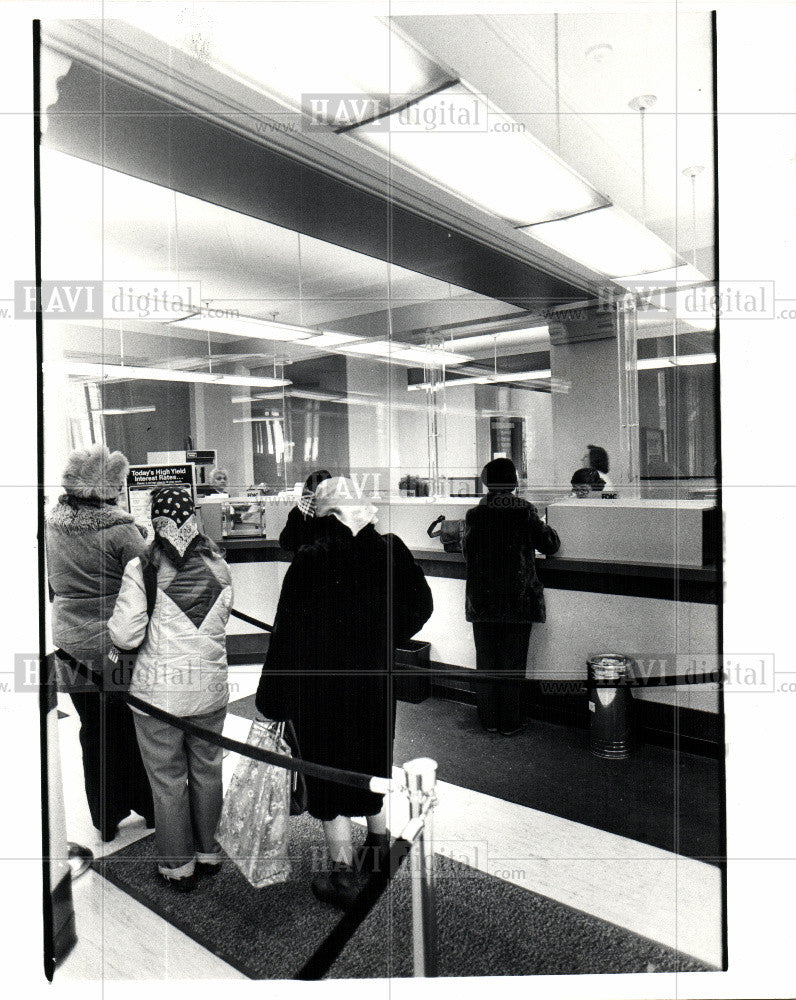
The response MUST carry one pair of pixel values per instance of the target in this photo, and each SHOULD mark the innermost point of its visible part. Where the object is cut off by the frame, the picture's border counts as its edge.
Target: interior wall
(462, 454)
(136, 434)
(587, 410)
(388, 437)
(212, 414)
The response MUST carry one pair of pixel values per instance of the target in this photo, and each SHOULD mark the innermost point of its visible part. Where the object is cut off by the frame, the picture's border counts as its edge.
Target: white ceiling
(103, 224)
(511, 58)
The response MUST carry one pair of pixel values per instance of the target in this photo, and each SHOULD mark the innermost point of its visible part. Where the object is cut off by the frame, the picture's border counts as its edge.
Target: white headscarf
(339, 496)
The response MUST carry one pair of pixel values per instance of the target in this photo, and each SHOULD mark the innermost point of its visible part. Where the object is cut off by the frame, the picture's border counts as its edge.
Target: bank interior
(402, 306)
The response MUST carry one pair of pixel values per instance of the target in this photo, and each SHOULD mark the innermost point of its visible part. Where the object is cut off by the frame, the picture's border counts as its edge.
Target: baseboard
(685, 729)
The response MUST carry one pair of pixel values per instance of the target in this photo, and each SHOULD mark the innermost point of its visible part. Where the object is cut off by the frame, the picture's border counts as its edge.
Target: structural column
(595, 392)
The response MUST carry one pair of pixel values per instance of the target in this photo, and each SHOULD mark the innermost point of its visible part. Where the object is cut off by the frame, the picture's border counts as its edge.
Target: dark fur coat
(346, 601)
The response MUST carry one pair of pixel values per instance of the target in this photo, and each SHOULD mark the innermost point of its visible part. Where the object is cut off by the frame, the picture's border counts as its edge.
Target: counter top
(696, 584)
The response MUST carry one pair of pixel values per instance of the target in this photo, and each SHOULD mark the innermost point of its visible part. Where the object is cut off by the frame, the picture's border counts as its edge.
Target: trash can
(410, 685)
(610, 706)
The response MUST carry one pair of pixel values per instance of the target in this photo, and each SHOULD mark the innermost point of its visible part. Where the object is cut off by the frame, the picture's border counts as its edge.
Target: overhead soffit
(195, 85)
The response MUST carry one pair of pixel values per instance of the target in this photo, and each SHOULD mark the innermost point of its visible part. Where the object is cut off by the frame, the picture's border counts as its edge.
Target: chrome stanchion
(421, 779)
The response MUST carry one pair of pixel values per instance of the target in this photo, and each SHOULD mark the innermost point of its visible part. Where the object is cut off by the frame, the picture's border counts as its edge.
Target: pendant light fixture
(692, 173)
(642, 103)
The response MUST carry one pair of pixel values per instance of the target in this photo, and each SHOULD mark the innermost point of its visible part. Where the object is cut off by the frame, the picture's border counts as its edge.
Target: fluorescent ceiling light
(694, 359)
(330, 340)
(355, 399)
(124, 410)
(461, 141)
(505, 338)
(691, 306)
(607, 240)
(87, 369)
(526, 376)
(311, 56)
(670, 277)
(255, 420)
(246, 326)
(679, 360)
(497, 379)
(650, 364)
(395, 351)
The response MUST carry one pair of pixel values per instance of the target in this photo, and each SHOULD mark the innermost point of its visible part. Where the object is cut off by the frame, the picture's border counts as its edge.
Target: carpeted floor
(264, 933)
(270, 933)
(487, 927)
(654, 797)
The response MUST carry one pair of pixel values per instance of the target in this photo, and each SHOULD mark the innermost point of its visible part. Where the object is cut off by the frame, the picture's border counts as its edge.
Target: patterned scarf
(174, 520)
(307, 505)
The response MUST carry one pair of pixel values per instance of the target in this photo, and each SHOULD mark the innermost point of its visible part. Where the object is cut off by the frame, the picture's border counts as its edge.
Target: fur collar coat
(87, 544)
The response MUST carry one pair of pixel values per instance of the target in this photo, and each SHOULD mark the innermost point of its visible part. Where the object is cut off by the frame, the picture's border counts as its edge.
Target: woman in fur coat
(89, 541)
(347, 600)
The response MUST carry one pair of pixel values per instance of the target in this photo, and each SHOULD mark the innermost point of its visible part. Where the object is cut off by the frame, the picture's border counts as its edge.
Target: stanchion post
(421, 780)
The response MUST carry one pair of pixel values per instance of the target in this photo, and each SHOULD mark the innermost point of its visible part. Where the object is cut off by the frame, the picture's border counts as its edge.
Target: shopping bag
(253, 829)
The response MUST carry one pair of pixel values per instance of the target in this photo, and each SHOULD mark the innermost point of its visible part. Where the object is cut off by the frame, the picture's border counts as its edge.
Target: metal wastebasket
(610, 706)
(412, 686)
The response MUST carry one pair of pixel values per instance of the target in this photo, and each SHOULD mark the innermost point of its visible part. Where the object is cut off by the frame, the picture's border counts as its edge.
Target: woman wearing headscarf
(347, 600)
(89, 540)
(181, 667)
(301, 526)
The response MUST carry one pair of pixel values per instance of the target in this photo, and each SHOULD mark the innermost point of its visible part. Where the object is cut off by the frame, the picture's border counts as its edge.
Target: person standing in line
(597, 458)
(301, 526)
(347, 600)
(89, 540)
(503, 593)
(181, 667)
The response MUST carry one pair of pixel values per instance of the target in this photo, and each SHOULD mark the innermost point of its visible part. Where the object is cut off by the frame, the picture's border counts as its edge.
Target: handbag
(253, 828)
(449, 533)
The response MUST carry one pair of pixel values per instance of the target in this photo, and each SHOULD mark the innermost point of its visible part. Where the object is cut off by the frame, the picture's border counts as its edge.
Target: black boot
(338, 886)
(185, 884)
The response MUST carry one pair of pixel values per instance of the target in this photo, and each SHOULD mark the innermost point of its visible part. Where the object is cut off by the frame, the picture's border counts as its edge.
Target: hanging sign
(143, 479)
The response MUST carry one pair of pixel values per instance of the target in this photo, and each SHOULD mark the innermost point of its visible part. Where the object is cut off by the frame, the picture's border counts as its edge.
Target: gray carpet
(264, 933)
(486, 926)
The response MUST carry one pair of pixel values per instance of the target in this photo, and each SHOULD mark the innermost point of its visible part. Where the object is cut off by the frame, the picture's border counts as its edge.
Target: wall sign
(143, 479)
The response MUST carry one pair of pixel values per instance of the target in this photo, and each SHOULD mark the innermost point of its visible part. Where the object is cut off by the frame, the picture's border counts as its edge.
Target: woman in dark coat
(503, 593)
(346, 601)
(89, 541)
(300, 528)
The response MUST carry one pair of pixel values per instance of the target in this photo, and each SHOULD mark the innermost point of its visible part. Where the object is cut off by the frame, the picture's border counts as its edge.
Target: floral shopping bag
(253, 829)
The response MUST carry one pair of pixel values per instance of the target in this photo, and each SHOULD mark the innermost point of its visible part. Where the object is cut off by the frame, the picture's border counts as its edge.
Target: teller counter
(601, 594)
